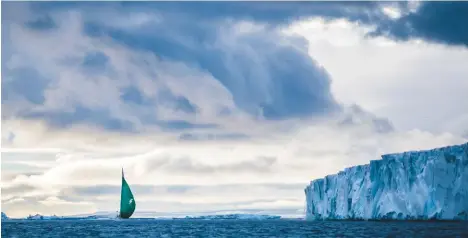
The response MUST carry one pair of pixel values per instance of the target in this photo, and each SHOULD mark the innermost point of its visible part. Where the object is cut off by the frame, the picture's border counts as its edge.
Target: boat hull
(125, 215)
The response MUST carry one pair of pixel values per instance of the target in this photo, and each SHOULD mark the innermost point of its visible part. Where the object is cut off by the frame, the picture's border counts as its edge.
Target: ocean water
(190, 228)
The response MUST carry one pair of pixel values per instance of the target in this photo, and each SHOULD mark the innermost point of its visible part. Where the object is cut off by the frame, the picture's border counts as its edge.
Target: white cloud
(392, 12)
(127, 68)
(416, 85)
(23, 207)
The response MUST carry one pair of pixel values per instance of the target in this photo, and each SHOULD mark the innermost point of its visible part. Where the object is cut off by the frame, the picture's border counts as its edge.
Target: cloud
(208, 136)
(131, 79)
(187, 166)
(440, 22)
(405, 81)
(17, 190)
(63, 101)
(44, 205)
(275, 13)
(172, 191)
(258, 82)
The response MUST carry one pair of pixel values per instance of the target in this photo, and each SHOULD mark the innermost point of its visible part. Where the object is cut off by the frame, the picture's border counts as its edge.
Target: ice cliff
(422, 185)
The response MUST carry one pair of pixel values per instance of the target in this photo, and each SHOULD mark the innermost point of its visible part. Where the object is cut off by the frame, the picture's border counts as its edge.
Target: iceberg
(4, 216)
(41, 217)
(35, 217)
(415, 185)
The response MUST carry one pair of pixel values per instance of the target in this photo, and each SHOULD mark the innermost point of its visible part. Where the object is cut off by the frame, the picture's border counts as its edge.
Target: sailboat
(127, 201)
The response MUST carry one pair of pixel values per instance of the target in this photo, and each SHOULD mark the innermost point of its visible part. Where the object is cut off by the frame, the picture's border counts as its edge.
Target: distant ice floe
(105, 216)
(233, 217)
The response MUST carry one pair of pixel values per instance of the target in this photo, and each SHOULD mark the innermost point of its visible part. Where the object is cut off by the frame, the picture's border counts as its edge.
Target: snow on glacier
(431, 184)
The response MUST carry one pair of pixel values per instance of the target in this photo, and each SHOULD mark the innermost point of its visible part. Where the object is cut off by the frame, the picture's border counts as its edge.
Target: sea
(232, 228)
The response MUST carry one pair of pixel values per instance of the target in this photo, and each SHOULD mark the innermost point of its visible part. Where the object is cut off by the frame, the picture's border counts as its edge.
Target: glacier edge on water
(415, 185)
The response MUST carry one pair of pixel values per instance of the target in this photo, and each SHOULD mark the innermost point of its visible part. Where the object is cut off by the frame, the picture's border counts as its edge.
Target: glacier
(415, 185)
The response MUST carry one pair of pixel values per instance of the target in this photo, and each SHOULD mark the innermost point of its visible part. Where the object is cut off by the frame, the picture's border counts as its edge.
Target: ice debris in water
(233, 217)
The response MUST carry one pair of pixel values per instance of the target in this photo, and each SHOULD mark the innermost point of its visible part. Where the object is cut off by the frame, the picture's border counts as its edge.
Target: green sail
(127, 202)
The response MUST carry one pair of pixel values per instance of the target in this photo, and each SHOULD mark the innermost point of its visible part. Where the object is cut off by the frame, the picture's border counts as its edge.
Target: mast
(120, 208)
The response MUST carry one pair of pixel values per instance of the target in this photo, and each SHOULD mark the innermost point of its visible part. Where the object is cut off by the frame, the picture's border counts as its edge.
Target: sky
(218, 107)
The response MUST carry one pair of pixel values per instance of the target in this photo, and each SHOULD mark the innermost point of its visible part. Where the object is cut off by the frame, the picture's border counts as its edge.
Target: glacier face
(431, 184)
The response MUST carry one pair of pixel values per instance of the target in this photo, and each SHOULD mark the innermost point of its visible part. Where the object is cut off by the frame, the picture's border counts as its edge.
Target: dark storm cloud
(265, 77)
(280, 80)
(441, 22)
